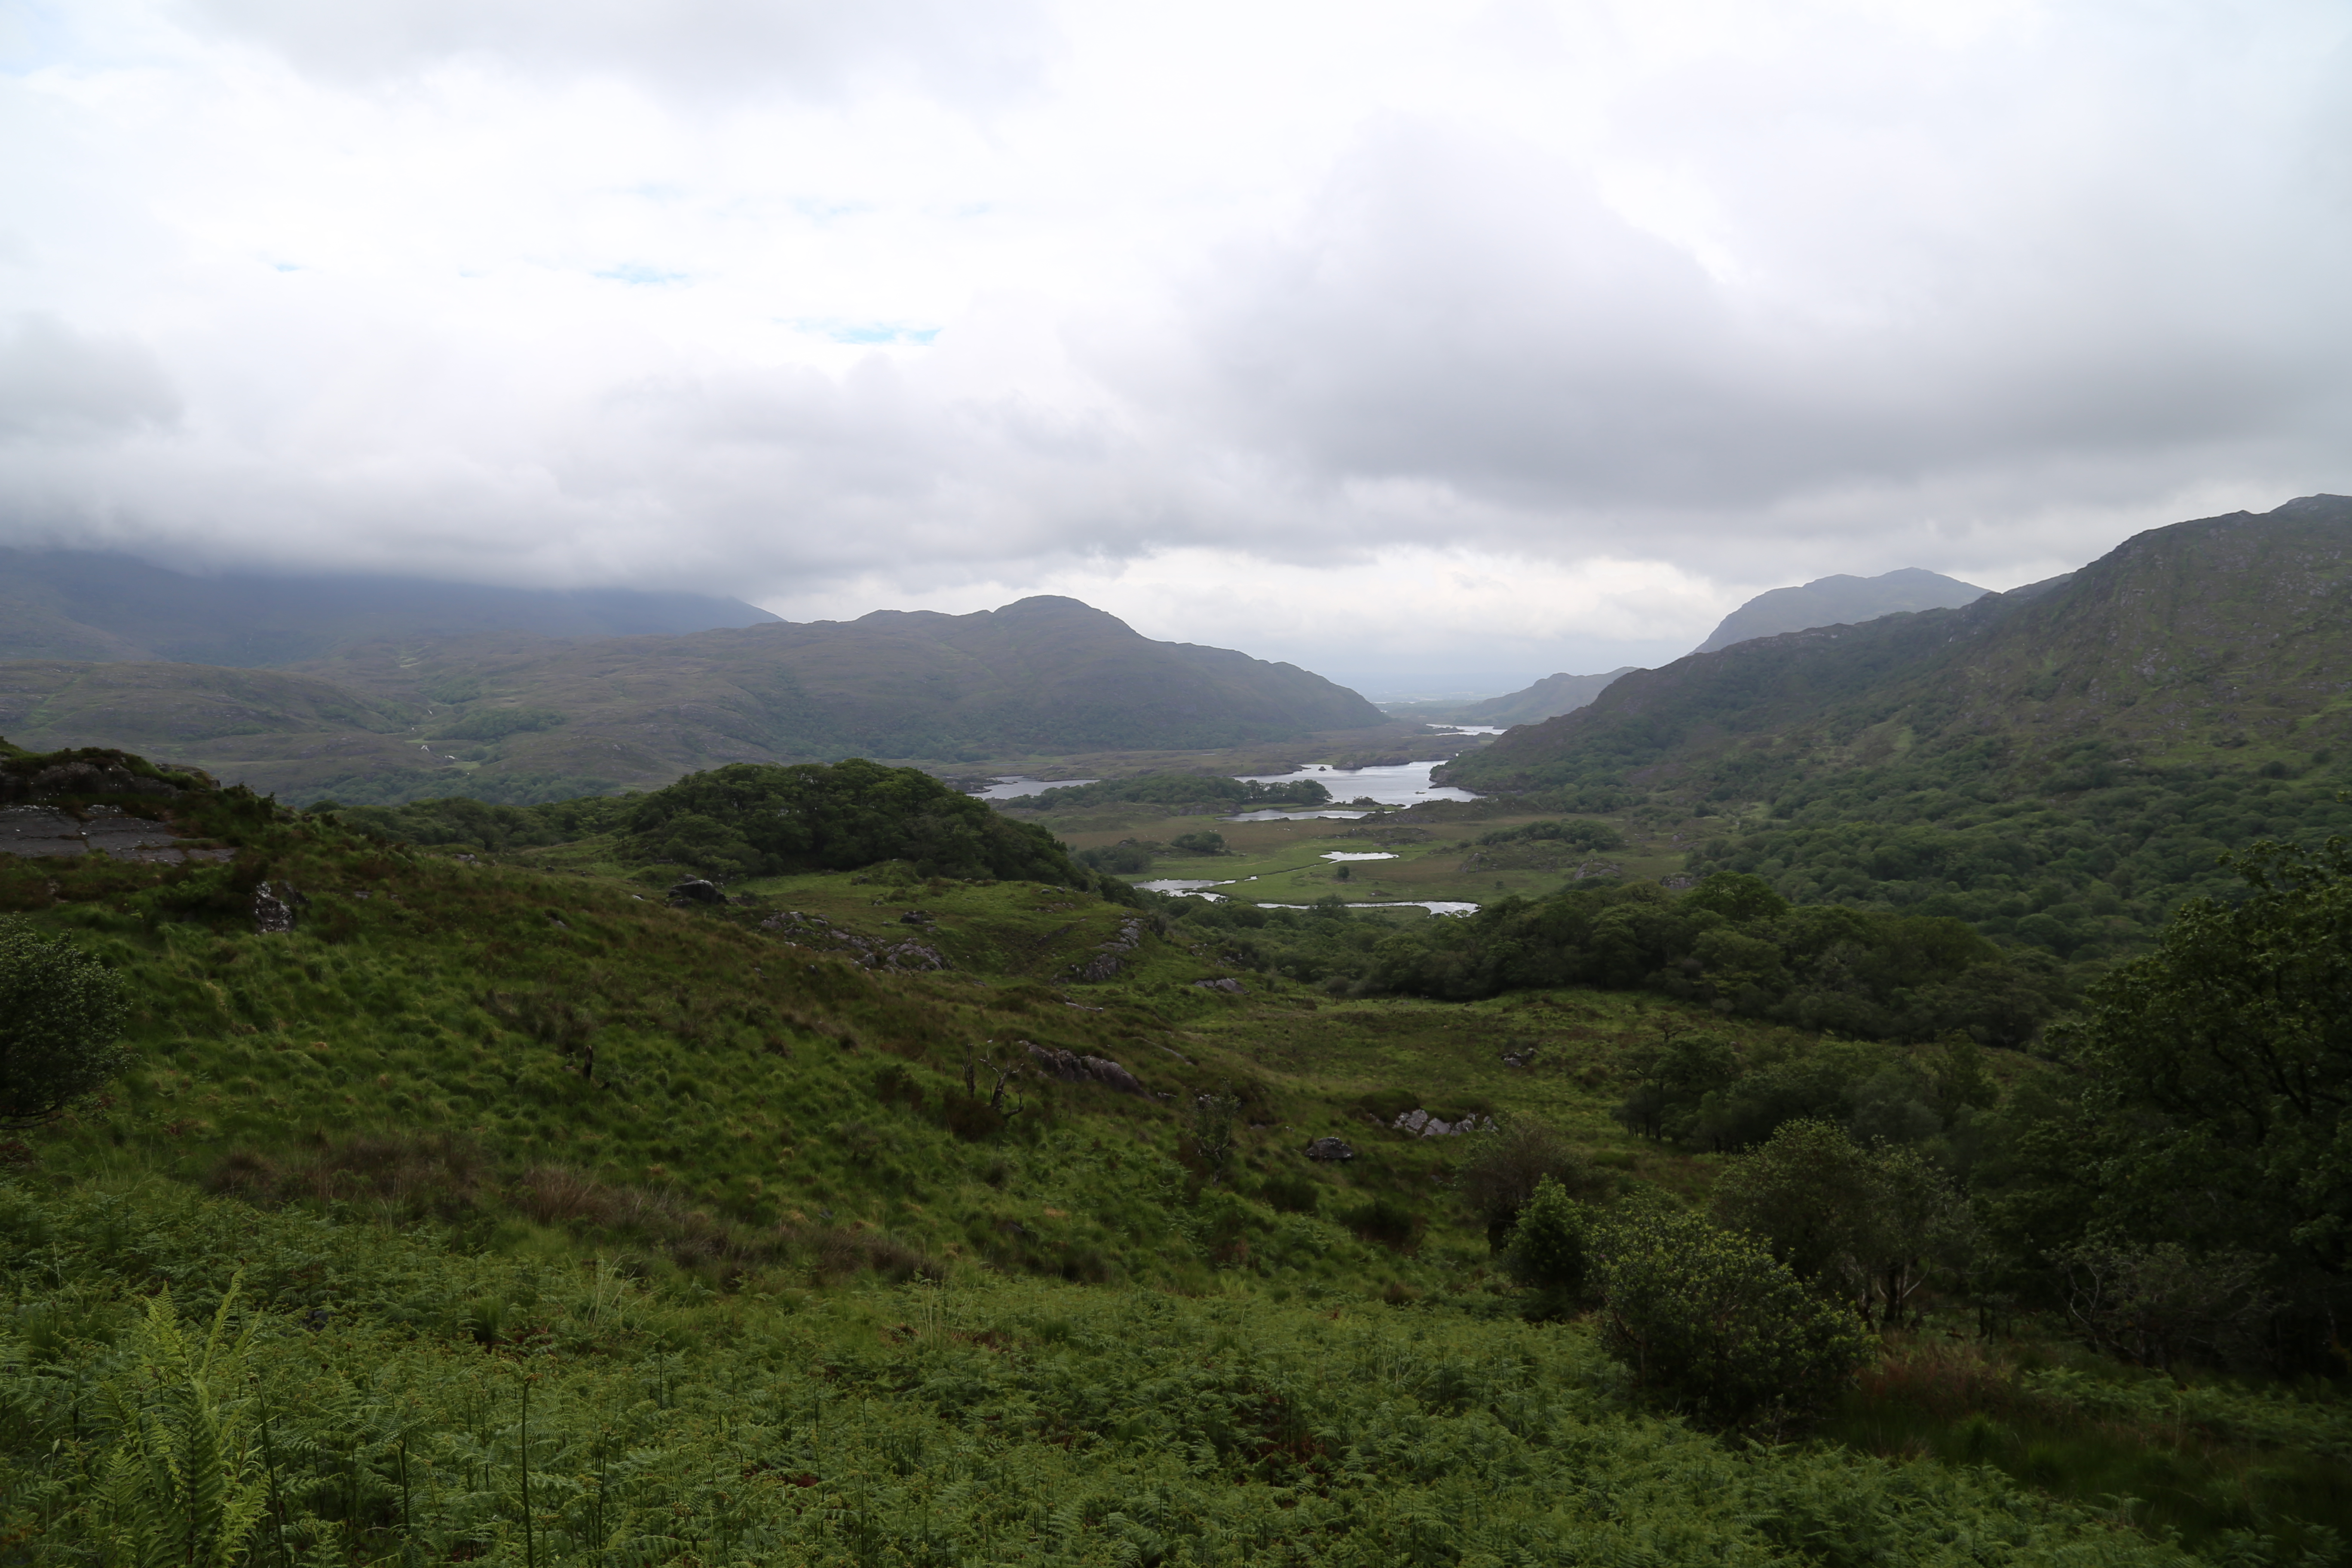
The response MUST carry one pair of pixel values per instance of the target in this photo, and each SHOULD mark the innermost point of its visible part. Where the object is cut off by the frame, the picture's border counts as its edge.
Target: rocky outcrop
(1231, 987)
(1111, 956)
(276, 907)
(1071, 1068)
(1330, 1149)
(1422, 1124)
(870, 952)
(41, 830)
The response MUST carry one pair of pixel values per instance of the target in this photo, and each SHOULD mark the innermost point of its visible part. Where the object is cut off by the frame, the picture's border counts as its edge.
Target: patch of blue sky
(866, 332)
(34, 37)
(638, 275)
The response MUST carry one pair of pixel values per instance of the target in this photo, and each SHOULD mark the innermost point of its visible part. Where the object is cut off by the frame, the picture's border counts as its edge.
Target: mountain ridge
(2038, 667)
(98, 606)
(513, 716)
(1840, 600)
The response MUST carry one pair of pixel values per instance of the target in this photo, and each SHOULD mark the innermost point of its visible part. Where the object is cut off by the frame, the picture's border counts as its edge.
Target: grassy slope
(751, 1135)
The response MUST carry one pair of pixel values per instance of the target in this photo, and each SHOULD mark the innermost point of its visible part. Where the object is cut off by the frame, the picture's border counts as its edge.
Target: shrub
(60, 1012)
(1385, 1221)
(1291, 1193)
(1709, 1324)
(1503, 1168)
(1549, 1248)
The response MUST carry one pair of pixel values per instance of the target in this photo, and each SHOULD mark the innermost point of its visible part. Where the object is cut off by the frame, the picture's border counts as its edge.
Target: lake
(1198, 889)
(1400, 783)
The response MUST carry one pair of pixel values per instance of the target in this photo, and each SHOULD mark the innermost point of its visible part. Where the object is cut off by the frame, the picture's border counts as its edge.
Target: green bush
(1549, 1251)
(1709, 1324)
(61, 1012)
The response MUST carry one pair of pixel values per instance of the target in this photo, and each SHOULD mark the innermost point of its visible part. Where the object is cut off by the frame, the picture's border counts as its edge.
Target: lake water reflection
(1400, 783)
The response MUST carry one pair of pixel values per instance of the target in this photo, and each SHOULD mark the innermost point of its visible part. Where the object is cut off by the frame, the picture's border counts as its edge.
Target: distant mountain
(1839, 601)
(1546, 699)
(515, 718)
(82, 604)
(2212, 639)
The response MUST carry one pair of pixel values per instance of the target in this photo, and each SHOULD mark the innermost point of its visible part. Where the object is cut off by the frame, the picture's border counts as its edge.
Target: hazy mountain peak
(1841, 600)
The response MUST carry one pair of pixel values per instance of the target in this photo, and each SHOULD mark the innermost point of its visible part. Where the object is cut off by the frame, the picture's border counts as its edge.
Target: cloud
(62, 385)
(970, 52)
(845, 307)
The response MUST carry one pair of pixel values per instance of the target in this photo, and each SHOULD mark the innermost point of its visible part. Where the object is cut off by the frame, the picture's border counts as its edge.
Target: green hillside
(514, 718)
(1551, 696)
(933, 1210)
(2060, 764)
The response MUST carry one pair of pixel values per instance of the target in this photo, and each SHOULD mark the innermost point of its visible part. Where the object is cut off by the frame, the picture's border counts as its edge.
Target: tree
(61, 1012)
(1806, 1194)
(1549, 1248)
(1506, 1165)
(1708, 1323)
(1858, 1224)
(2227, 1053)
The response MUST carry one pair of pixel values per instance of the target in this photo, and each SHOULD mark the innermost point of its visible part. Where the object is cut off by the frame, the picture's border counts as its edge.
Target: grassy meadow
(545, 1222)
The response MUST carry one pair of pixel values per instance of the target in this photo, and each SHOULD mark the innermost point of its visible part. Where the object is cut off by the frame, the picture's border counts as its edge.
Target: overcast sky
(1434, 346)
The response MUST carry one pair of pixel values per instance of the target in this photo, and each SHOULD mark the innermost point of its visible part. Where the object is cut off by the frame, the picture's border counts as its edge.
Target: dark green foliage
(2161, 1305)
(2227, 1052)
(1503, 1168)
(756, 819)
(1578, 834)
(479, 824)
(1872, 974)
(1198, 843)
(1384, 1220)
(2086, 876)
(503, 786)
(1550, 1246)
(498, 724)
(61, 1014)
(1206, 791)
(1859, 1225)
(1708, 1322)
(1119, 859)
(1290, 1192)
